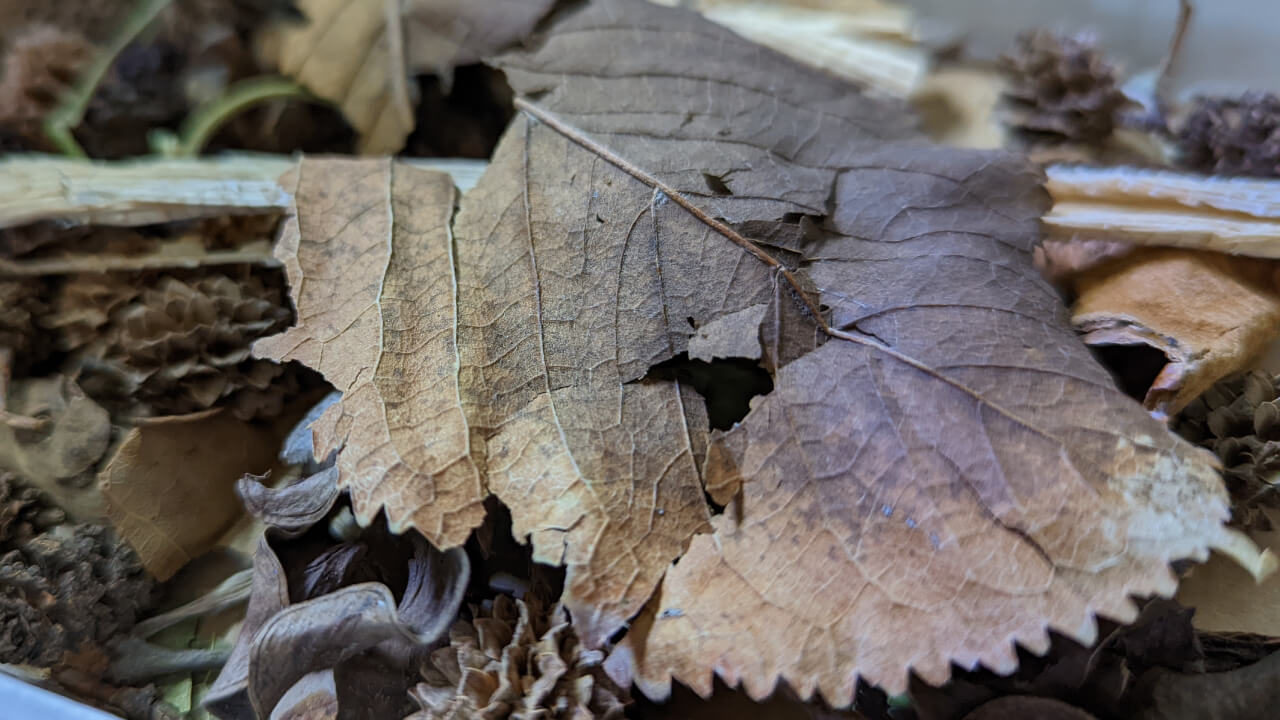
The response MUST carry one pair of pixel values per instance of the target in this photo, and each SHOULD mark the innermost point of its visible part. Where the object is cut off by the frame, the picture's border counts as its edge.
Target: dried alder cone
(68, 587)
(939, 449)
(1233, 136)
(513, 659)
(1061, 89)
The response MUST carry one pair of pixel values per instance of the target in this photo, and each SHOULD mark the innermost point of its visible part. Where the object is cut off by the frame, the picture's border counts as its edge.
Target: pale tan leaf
(170, 486)
(351, 52)
(1211, 314)
(370, 263)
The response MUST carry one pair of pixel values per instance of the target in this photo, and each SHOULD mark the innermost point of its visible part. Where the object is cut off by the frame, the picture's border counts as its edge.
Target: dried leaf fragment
(385, 337)
(361, 54)
(170, 487)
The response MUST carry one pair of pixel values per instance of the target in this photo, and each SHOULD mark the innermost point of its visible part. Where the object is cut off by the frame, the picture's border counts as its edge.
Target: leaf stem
(205, 120)
(59, 124)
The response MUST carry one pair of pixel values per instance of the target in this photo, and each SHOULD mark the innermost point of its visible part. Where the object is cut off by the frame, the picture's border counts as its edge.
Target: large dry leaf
(941, 470)
(361, 54)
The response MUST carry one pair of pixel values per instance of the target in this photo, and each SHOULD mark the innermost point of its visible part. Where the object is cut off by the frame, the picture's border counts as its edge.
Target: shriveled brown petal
(290, 510)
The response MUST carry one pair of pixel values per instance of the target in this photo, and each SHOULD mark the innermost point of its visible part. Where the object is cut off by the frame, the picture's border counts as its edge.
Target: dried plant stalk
(1161, 207)
(156, 190)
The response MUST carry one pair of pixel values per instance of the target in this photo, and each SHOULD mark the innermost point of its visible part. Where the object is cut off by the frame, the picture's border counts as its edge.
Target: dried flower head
(513, 661)
(40, 66)
(1239, 420)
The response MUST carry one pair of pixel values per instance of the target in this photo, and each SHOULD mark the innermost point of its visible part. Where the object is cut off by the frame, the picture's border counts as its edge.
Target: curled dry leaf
(290, 510)
(1211, 314)
(170, 486)
(361, 54)
(939, 451)
(325, 626)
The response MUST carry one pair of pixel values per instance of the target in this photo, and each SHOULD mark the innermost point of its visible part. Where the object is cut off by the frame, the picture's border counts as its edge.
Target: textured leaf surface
(941, 470)
(380, 324)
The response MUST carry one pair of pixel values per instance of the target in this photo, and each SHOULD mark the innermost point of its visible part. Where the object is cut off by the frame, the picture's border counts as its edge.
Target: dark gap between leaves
(466, 118)
(727, 384)
(1133, 367)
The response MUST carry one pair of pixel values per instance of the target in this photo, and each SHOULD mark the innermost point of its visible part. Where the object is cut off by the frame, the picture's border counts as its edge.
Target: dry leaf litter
(163, 343)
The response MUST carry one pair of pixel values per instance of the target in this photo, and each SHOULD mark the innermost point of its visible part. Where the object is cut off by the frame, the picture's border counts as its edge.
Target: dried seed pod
(513, 661)
(1239, 420)
(1061, 89)
(182, 347)
(1233, 136)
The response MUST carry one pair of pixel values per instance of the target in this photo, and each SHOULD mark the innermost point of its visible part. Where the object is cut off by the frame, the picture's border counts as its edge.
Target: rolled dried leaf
(1211, 314)
(290, 510)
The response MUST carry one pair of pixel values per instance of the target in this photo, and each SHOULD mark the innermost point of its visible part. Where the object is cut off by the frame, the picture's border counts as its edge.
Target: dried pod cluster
(1233, 136)
(178, 347)
(513, 661)
(20, 305)
(1239, 419)
(1061, 89)
(64, 588)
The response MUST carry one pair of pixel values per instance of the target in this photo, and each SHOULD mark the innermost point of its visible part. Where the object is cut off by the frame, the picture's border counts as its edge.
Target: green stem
(70, 112)
(205, 120)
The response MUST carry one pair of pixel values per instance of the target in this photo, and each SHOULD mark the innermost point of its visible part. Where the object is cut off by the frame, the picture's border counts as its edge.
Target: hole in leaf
(1134, 367)
(716, 184)
(727, 384)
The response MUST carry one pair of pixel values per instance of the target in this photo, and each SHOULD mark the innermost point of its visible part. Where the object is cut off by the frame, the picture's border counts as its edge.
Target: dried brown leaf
(1211, 314)
(939, 451)
(170, 487)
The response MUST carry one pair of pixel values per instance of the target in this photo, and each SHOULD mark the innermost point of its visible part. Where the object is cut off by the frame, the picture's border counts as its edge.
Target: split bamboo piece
(1240, 216)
